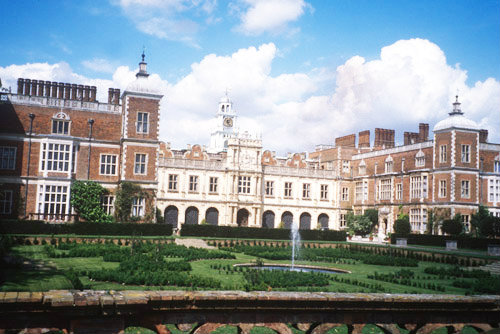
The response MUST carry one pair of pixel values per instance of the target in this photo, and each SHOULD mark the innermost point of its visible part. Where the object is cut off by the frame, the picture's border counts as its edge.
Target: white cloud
(409, 83)
(169, 19)
(268, 15)
(99, 65)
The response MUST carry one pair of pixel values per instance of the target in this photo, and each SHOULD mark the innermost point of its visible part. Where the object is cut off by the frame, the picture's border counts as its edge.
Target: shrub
(402, 226)
(358, 225)
(258, 233)
(453, 226)
(83, 228)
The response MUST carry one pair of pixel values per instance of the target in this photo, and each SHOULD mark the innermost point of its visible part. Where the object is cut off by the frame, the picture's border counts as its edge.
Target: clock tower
(225, 129)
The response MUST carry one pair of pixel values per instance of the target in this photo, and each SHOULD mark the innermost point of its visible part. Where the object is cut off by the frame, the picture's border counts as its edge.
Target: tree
(372, 215)
(86, 200)
(482, 222)
(402, 225)
(453, 226)
(358, 224)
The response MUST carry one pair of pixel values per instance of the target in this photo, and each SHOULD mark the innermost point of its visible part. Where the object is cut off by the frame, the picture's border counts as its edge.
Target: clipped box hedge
(213, 231)
(82, 228)
(440, 241)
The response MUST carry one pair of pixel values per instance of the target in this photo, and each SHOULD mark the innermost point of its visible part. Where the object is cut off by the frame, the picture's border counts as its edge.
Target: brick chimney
(410, 138)
(423, 132)
(364, 139)
(346, 141)
(20, 86)
(483, 136)
(93, 93)
(34, 87)
(384, 138)
(67, 91)
(27, 86)
(110, 95)
(41, 85)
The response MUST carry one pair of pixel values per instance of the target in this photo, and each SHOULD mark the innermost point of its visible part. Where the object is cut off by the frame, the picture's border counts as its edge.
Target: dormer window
(60, 124)
(389, 165)
(420, 159)
(496, 164)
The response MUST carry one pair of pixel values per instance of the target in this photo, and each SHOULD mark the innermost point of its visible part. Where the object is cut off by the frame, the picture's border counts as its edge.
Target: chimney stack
(384, 138)
(27, 86)
(483, 136)
(20, 86)
(67, 91)
(73, 91)
(93, 93)
(41, 85)
(47, 88)
(364, 139)
(110, 95)
(423, 132)
(34, 87)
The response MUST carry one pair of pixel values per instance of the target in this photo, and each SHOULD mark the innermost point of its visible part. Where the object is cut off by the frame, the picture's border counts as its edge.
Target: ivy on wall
(86, 200)
(125, 194)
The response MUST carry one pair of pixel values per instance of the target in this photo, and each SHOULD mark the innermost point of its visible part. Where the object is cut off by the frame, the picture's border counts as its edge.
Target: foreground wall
(111, 312)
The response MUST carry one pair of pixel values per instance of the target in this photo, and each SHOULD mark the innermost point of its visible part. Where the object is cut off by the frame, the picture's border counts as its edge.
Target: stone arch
(305, 221)
(268, 219)
(323, 220)
(242, 217)
(287, 219)
(171, 215)
(191, 216)
(212, 216)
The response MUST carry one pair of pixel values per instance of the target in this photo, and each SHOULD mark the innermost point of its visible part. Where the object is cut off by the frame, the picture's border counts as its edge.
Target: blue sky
(291, 66)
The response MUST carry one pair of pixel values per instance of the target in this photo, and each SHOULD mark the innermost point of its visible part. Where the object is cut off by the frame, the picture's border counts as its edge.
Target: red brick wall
(136, 105)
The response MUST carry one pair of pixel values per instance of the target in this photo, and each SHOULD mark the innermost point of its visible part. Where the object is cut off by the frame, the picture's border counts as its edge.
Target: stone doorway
(242, 217)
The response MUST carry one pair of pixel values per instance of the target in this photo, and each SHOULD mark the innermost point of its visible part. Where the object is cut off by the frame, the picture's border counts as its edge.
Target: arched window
(171, 215)
(191, 216)
(389, 165)
(305, 221)
(268, 219)
(212, 216)
(287, 219)
(420, 159)
(323, 220)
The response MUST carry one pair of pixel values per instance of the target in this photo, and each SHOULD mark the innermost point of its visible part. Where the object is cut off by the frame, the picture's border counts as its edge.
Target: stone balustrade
(205, 311)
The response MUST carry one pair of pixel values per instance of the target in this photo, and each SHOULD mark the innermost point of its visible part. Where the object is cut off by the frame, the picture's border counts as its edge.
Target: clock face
(228, 122)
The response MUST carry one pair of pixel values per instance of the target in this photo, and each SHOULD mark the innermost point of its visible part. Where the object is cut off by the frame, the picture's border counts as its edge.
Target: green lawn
(50, 276)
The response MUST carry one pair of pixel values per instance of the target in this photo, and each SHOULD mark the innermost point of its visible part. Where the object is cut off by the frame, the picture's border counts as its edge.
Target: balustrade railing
(205, 311)
(52, 217)
(56, 102)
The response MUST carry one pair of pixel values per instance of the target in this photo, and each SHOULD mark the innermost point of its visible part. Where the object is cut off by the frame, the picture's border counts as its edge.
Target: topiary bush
(453, 226)
(402, 226)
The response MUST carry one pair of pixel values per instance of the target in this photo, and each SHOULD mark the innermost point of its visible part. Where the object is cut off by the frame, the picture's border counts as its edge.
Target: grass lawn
(51, 276)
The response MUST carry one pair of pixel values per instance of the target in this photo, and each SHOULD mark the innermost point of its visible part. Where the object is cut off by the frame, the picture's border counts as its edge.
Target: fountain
(295, 237)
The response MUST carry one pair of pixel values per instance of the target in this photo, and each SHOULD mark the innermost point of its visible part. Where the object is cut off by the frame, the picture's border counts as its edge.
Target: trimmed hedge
(440, 241)
(39, 227)
(258, 233)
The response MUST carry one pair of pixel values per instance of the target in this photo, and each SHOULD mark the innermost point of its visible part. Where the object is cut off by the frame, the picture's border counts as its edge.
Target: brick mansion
(53, 133)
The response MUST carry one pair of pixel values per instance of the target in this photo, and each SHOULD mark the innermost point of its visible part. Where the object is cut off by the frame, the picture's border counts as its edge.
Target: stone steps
(493, 268)
(196, 243)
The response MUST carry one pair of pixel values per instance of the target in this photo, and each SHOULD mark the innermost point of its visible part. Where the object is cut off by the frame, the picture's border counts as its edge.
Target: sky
(299, 72)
